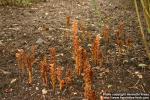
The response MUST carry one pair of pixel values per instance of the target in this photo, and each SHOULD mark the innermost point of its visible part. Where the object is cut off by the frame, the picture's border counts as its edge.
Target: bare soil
(22, 27)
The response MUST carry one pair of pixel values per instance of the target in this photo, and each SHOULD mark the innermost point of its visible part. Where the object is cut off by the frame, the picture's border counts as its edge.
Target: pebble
(1, 43)
(44, 91)
(37, 88)
(40, 41)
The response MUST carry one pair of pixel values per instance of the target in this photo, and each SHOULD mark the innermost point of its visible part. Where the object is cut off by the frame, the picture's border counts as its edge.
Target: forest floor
(44, 24)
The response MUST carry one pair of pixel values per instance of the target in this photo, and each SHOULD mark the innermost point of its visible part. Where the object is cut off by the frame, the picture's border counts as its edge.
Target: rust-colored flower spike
(106, 34)
(75, 27)
(89, 93)
(53, 56)
(118, 38)
(129, 42)
(121, 28)
(75, 44)
(117, 35)
(68, 21)
(88, 75)
(62, 85)
(53, 76)
(69, 77)
(85, 60)
(78, 60)
(44, 70)
(81, 60)
(21, 58)
(96, 52)
(30, 61)
(59, 72)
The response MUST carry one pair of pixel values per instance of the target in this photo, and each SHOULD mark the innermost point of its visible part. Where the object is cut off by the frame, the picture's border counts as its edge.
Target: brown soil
(22, 27)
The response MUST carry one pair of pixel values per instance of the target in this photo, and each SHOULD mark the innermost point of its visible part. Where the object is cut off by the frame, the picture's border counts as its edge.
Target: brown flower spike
(96, 51)
(30, 62)
(106, 34)
(75, 27)
(53, 56)
(89, 93)
(69, 77)
(44, 70)
(21, 59)
(68, 21)
(53, 76)
(59, 72)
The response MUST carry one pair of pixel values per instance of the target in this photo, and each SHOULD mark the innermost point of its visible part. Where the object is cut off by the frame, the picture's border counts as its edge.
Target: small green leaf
(109, 86)
(148, 30)
(142, 65)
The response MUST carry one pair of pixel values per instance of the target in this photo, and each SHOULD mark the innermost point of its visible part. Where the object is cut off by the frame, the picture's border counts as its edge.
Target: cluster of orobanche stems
(82, 65)
(44, 70)
(56, 72)
(120, 38)
(45, 67)
(80, 55)
(53, 68)
(26, 60)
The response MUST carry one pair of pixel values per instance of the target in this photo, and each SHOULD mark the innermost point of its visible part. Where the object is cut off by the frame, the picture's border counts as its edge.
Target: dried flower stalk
(119, 33)
(69, 77)
(44, 70)
(96, 52)
(53, 76)
(30, 61)
(88, 74)
(75, 45)
(81, 60)
(53, 56)
(106, 34)
(62, 85)
(75, 27)
(26, 60)
(121, 28)
(129, 42)
(68, 21)
(59, 72)
(21, 58)
(89, 93)
(78, 60)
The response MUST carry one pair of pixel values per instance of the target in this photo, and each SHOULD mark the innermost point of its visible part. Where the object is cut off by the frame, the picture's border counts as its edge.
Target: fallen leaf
(109, 86)
(5, 72)
(140, 76)
(142, 65)
(8, 90)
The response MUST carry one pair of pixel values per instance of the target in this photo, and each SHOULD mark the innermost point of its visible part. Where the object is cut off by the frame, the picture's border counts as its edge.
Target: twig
(134, 86)
(66, 29)
(5, 72)
(143, 88)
